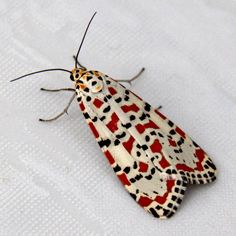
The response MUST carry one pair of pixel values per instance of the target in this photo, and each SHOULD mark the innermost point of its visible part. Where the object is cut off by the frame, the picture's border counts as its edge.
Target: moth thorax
(89, 83)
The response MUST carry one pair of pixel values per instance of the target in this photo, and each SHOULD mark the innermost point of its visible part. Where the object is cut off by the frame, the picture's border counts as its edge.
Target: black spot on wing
(106, 109)
(105, 143)
(86, 115)
(126, 98)
(88, 98)
(127, 170)
(148, 177)
(181, 141)
(138, 177)
(153, 212)
(118, 100)
(142, 117)
(133, 196)
(94, 119)
(116, 142)
(120, 136)
(132, 117)
(86, 90)
(144, 147)
(211, 164)
(172, 132)
(147, 107)
(103, 118)
(127, 125)
(117, 168)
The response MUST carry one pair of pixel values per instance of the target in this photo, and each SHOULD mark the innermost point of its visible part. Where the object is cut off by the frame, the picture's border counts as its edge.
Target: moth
(153, 158)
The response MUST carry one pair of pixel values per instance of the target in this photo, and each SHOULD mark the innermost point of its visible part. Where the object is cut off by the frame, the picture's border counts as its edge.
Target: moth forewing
(152, 157)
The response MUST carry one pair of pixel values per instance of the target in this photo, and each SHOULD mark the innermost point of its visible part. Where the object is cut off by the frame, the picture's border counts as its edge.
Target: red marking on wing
(109, 157)
(143, 167)
(200, 155)
(94, 130)
(184, 167)
(160, 114)
(172, 143)
(112, 90)
(141, 128)
(169, 185)
(82, 107)
(162, 199)
(163, 162)
(156, 146)
(144, 201)
(180, 132)
(97, 102)
(151, 124)
(129, 144)
(112, 125)
(124, 179)
(132, 107)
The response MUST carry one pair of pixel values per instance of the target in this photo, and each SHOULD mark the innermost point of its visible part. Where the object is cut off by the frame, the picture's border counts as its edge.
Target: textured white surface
(54, 180)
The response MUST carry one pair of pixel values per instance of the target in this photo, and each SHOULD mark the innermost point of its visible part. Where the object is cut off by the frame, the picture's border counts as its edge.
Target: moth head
(77, 73)
(87, 81)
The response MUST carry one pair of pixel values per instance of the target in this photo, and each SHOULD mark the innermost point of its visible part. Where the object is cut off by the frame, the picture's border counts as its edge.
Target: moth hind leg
(65, 111)
(133, 78)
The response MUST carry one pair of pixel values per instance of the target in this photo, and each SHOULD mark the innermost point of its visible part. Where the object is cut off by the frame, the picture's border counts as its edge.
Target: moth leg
(78, 63)
(65, 111)
(133, 78)
(159, 108)
(58, 90)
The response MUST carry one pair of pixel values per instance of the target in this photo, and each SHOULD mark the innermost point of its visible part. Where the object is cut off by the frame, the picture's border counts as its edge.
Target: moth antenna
(36, 72)
(76, 58)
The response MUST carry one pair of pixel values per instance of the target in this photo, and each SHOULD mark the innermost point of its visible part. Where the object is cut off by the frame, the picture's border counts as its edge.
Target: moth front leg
(58, 90)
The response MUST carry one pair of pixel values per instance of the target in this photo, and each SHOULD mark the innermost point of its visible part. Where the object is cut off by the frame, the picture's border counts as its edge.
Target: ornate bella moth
(153, 158)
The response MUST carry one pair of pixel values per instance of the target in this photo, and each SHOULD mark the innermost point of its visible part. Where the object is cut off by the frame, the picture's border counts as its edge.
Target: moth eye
(72, 77)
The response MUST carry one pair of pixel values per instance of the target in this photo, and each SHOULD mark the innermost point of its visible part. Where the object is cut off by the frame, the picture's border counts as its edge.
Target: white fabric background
(54, 180)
